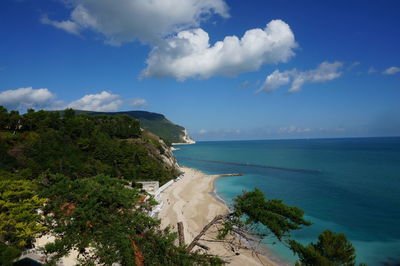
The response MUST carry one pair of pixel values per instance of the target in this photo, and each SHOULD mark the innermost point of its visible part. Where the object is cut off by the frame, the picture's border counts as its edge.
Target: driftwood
(205, 229)
(202, 246)
(239, 232)
(181, 234)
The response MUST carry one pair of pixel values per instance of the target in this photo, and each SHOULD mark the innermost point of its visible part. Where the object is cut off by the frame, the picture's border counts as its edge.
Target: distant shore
(183, 143)
(192, 201)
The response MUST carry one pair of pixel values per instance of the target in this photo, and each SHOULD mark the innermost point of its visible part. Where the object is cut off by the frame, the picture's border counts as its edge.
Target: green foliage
(153, 122)
(96, 212)
(8, 254)
(19, 221)
(164, 128)
(255, 209)
(330, 250)
(78, 146)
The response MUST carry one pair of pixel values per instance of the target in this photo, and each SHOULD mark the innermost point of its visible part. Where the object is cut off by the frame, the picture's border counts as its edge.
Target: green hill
(155, 123)
(81, 145)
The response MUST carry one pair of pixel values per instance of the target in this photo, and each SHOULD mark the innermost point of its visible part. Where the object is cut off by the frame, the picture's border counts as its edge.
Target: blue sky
(304, 69)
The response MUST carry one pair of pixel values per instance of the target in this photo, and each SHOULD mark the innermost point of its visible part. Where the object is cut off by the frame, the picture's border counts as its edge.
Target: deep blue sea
(345, 185)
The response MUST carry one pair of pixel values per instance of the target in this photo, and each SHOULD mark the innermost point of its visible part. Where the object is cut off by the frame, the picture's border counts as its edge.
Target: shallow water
(345, 185)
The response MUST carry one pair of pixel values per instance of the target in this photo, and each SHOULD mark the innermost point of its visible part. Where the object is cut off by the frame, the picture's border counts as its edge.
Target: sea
(349, 186)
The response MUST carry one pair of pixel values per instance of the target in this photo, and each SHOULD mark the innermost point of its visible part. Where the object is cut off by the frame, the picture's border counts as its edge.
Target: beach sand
(190, 201)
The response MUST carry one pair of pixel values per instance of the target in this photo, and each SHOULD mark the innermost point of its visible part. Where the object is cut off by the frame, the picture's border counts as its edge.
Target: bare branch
(205, 229)
(202, 246)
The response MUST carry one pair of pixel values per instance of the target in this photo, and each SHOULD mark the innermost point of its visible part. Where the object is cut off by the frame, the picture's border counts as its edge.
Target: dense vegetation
(78, 146)
(153, 122)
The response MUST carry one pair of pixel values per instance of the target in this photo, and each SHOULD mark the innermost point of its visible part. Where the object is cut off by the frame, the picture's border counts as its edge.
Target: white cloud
(67, 25)
(101, 102)
(324, 72)
(294, 129)
(145, 20)
(203, 131)
(137, 102)
(276, 80)
(24, 98)
(391, 70)
(190, 55)
(179, 48)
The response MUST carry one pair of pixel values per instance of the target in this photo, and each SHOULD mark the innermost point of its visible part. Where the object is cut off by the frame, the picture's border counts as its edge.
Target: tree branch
(205, 229)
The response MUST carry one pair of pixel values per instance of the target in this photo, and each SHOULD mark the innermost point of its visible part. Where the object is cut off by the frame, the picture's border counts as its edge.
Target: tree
(4, 118)
(19, 220)
(8, 254)
(14, 121)
(106, 222)
(253, 214)
(330, 250)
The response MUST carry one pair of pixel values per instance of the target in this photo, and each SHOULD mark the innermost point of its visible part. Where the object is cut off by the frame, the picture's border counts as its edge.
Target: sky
(225, 70)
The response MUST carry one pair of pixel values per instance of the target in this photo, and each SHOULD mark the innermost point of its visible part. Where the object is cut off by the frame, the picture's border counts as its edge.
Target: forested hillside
(155, 123)
(78, 146)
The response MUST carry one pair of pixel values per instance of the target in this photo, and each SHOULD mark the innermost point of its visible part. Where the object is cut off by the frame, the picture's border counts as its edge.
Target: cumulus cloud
(137, 102)
(101, 102)
(24, 98)
(179, 48)
(66, 25)
(391, 70)
(189, 54)
(324, 72)
(145, 20)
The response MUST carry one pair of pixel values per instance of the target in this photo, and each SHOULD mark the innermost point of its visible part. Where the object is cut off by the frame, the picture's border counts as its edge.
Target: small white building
(150, 186)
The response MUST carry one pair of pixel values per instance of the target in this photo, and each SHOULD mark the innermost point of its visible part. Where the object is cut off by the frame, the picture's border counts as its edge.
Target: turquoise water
(345, 185)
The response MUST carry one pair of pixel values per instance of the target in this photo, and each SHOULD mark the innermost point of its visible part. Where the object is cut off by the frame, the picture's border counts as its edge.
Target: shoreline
(193, 201)
(262, 251)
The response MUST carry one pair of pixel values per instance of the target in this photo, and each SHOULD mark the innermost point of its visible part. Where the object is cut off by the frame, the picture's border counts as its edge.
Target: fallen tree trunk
(202, 246)
(181, 234)
(205, 229)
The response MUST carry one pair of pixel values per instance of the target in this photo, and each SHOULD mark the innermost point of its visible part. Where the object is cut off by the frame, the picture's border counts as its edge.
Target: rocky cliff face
(168, 157)
(161, 151)
(186, 139)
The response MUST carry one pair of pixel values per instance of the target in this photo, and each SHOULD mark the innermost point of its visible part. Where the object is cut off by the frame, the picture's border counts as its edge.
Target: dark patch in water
(391, 262)
(305, 171)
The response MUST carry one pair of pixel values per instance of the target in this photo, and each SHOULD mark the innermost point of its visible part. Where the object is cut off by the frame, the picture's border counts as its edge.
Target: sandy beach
(190, 201)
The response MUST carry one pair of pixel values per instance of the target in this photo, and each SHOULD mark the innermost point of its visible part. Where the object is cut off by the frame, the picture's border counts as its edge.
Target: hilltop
(155, 123)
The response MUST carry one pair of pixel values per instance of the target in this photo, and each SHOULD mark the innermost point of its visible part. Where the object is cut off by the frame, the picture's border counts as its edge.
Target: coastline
(183, 143)
(193, 201)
